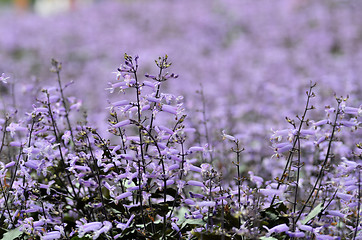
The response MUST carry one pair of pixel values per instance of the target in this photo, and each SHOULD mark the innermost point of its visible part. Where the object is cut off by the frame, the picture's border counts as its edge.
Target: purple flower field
(248, 125)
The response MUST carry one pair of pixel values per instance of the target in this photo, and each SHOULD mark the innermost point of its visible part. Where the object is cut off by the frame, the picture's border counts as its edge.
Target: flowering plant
(148, 177)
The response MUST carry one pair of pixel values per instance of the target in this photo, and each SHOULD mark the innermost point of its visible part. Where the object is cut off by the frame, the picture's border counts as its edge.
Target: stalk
(59, 147)
(57, 67)
(324, 163)
(310, 94)
(238, 151)
(359, 202)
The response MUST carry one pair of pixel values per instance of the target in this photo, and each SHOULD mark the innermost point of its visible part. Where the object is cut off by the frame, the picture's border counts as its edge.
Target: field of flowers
(248, 125)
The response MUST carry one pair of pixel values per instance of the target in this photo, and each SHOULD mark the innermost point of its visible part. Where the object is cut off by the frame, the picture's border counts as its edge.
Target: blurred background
(44, 7)
(246, 63)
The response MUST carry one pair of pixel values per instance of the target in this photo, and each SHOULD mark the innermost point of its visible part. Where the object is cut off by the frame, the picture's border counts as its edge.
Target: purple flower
(271, 192)
(349, 123)
(106, 227)
(165, 129)
(283, 147)
(206, 204)
(335, 213)
(153, 99)
(88, 227)
(122, 123)
(51, 235)
(354, 111)
(189, 201)
(305, 228)
(15, 144)
(13, 127)
(124, 226)
(256, 179)
(150, 84)
(344, 196)
(10, 164)
(66, 137)
(325, 237)
(196, 195)
(195, 183)
(46, 186)
(169, 109)
(123, 195)
(34, 164)
(226, 136)
(307, 132)
(120, 103)
(278, 229)
(321, 122)
(193, 168)
(320, 140)
(296, 234)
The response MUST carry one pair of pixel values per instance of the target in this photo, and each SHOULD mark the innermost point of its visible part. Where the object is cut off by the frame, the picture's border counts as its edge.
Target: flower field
(248, 125)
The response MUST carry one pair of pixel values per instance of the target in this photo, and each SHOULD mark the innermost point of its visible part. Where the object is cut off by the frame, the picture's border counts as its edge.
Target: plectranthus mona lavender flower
(61, 178)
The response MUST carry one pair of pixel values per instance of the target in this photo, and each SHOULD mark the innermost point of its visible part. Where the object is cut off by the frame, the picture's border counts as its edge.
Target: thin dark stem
(183, 159)
(297, 183)
(203, 100)
(121, 134)
(59, 147)
(98, 178)
(222, 215)
(209, 223)
(17, 162)
(143, 165)
(4, 135)
(359, 202)
(323, 165)
(109, 155)
(329, 202)
(238, 151)
(66, 108)
(6, 201)
(154, 104)
(310, 94)
(164, 179)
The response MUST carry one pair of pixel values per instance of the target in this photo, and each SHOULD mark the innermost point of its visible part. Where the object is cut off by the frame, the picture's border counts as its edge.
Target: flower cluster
(150, 176)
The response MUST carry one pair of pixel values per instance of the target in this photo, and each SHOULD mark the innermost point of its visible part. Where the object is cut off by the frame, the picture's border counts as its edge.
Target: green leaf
(268, 238)
(313, 213)
(12, 234)
(198, 222)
